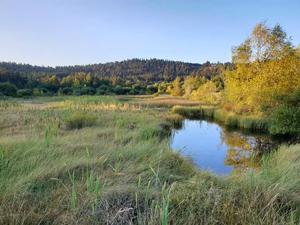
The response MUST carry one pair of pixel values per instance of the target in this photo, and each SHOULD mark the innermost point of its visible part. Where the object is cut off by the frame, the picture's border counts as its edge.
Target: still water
(220, 149)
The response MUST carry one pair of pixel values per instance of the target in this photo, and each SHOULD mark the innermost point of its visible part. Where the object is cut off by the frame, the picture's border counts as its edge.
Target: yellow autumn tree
(177, 89)
(267, 66)
(205, 93)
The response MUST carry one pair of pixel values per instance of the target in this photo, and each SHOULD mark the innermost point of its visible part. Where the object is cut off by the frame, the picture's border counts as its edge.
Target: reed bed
(121, 170)
(228, 118)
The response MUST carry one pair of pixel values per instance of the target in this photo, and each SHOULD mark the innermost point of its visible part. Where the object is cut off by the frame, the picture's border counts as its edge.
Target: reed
(100, 186)
(228, 118)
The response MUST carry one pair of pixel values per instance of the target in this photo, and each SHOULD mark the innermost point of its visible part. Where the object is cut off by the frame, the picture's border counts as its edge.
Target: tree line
(136, 76)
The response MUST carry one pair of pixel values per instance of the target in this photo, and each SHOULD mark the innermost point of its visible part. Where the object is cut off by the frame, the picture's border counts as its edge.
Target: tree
(189, 82)
(177, 90)
(76, 83)
(54, 80)
(266, 66)
(89, 79)
(205, 93)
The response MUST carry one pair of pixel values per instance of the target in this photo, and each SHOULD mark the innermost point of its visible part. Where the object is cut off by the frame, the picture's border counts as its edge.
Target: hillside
(144, 70)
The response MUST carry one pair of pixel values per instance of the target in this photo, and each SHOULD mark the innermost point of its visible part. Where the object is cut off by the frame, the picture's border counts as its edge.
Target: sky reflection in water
(216, 148)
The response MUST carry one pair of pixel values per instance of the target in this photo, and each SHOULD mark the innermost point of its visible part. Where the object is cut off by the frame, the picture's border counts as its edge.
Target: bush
(126, 90)
(24, 93)
(118, 90)
(131, 92)
(88, 91)
(36, 92)
(80, 119)
(142, 92)
(152, 89)
(8, 89)
(67, 90)
(103, 87)
(286, 120)
(77, 92)
(100, 92)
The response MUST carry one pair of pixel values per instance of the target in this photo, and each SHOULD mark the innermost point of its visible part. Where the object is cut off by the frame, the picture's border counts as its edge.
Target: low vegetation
(79, 120)
(122, 171)
(93, 153)
(228, 118)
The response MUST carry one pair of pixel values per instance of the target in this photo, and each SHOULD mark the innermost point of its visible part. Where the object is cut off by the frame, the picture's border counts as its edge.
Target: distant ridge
(153, 69)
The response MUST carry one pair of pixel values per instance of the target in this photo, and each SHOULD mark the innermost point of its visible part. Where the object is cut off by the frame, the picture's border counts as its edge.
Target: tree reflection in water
(244, 151)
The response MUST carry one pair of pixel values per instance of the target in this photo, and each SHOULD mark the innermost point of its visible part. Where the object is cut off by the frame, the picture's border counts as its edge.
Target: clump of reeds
(81, 119)
(175, 120)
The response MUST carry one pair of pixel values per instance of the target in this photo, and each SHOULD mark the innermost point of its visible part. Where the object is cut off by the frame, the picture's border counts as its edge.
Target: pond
(218, 148)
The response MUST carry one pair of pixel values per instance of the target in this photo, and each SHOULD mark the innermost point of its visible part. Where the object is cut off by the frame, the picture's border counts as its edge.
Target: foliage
(286, 120)
(127, 77)
(176, 90)
(24, 92)
(8, 89)
(79, 120)
(205, 93)
(266, 66)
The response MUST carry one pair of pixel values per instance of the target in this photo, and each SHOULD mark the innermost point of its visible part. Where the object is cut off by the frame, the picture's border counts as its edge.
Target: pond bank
(221, 149)
(228, 118)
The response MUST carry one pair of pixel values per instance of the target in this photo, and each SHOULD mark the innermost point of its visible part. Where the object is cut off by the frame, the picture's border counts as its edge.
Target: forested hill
(151, 70)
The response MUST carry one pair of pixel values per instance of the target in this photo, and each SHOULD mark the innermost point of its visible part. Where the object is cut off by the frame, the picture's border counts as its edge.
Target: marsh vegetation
(122, 170)
(91, 144)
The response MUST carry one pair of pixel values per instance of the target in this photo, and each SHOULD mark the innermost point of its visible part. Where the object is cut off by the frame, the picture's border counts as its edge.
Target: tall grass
(228, 118)
(99, 184)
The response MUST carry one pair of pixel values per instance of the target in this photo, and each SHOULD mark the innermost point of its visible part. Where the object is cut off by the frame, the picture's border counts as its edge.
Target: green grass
(228, 118)
(79, 120)
(122, 170)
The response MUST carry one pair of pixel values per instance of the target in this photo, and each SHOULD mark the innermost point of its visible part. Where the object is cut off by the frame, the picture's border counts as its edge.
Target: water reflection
(221, 149)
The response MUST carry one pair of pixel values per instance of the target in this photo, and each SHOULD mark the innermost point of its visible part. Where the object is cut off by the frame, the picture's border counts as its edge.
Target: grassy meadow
(107, 160)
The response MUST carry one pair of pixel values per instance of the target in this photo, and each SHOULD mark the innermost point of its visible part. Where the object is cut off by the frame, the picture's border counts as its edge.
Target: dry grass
(52, 175)
(167, 101)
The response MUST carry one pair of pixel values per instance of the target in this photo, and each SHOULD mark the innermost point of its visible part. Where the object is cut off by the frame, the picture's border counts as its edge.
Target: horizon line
(21, 63)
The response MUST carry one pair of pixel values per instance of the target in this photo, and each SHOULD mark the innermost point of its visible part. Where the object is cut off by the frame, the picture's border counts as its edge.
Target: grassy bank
(96, 160)
(228, 118)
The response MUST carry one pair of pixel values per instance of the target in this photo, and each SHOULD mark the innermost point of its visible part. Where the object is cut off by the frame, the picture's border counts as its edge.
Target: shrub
(67, 90)
(118, 90)
(80, 119)
(152, 89)
(77, 92)
(88, 91)
(103, 87)
(36, 92)
(286, 120)
(126, 90)
(8, 89)
(100, 92)
(142, 92)
(131, 92)
(24, 93)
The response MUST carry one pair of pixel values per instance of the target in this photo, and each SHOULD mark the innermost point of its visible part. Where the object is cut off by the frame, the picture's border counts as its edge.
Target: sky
(80, 32)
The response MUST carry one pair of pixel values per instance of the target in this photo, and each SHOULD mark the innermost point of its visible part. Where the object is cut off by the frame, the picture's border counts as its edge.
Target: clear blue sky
(69, 32)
